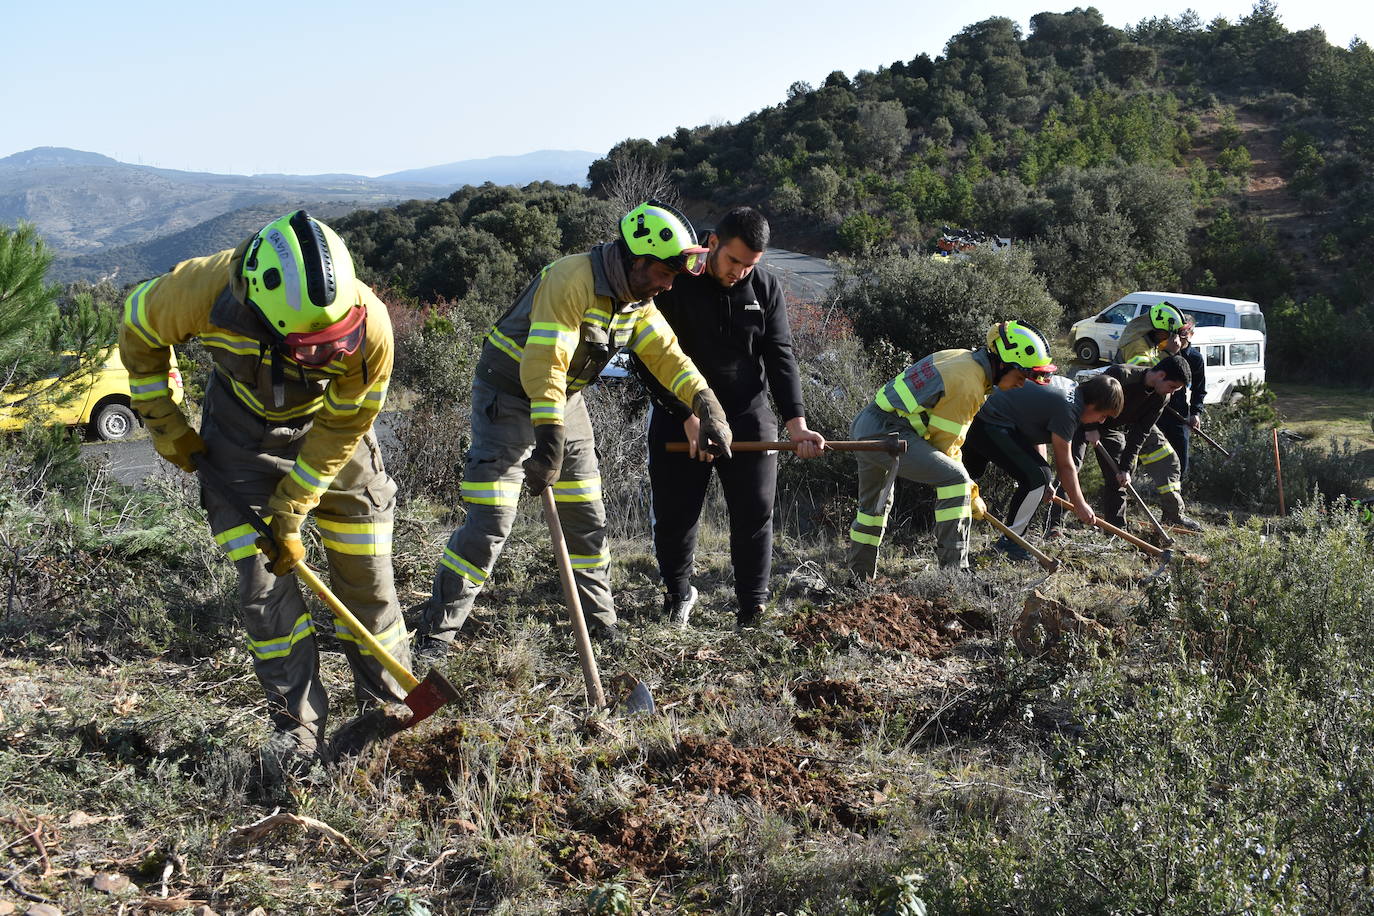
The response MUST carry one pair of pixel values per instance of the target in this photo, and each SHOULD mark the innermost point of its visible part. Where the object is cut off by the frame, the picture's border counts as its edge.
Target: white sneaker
(677, 608)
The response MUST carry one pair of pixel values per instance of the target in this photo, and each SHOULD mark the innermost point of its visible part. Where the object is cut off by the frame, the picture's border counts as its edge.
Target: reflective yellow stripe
(577, 491)
(490, 492)
(250, 400)
(953, 490)
(1170, 487)
(550, 334)
(391, 638)
(546, 411)
(505, 344)
(136, 318)
(1157, 455)
(364, 539)
(680, 383)
(875, 540)
(590, 560)
(309, 478)
(462, 567)
(947, 515)
(281, 646)
(948, 426)
(148, 387)
(877, 521)
(238, 542)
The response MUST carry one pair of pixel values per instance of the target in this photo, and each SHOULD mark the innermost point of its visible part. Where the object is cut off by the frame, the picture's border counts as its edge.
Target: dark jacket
(740, 340)
(1143, 407)
(1188, 401)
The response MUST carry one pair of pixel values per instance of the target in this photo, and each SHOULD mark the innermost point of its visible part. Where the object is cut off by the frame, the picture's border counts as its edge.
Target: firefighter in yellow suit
(302, 354)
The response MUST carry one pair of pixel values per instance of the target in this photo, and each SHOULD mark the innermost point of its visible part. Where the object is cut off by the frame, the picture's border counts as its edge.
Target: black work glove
(715, 436)
(543, 466)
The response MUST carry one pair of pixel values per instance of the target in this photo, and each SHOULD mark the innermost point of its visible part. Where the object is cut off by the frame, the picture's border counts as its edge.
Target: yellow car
(97, 400)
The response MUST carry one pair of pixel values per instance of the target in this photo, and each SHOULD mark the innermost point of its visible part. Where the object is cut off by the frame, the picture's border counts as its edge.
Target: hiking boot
(283, 757)
(677, 608)
(429, 652)
(608, 633)
(1184, 521)
(749, 616)
(1012, 551)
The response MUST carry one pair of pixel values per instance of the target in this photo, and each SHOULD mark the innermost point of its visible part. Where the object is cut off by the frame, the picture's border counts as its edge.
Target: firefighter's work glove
(172, 436)
(715, 436)
(976, 503)
(543, 466)
(285, 549)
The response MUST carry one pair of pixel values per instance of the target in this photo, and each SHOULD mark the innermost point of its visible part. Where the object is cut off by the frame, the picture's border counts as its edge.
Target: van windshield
(1253, 321)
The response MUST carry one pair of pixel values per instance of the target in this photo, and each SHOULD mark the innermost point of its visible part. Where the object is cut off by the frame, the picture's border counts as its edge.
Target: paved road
(803, 276)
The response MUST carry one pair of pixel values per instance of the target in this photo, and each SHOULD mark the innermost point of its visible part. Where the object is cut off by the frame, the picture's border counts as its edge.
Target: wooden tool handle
(579, 624)
(897, 446)
(1111, 463)
(1049, 563)
(1108, 527)
(1208, 439)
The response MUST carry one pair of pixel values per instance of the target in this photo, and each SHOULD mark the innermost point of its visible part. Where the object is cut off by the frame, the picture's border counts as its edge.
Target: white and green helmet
(656, 230)
(300, 275)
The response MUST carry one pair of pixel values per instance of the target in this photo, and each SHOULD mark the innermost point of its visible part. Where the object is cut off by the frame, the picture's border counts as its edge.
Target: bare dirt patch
(928, 629)
(839, 707)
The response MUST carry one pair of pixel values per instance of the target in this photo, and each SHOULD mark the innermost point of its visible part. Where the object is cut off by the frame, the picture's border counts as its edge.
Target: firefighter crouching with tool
(530, 422)
(301, 353)
(931, 405)
(1151, 335)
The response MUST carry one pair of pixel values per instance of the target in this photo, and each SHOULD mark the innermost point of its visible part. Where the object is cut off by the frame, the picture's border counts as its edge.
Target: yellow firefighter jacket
(334, 404)
(940, 395)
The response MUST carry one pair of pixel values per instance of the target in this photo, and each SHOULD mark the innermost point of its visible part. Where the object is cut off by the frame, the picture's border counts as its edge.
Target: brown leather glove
(172, 436)
(543, 466)
(285, 549)
(715, 436)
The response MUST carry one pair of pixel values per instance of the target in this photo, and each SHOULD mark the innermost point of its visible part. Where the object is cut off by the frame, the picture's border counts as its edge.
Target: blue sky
(311, 87)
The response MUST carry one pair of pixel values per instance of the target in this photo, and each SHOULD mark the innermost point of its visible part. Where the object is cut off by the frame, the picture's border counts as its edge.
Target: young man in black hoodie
(732, 322)
(1132, 435)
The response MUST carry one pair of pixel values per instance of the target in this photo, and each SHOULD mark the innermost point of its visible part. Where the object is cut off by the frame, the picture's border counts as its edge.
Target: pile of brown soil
(913, 625)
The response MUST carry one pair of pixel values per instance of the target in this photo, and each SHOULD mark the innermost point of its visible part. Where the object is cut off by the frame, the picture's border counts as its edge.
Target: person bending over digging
(1011, 431)
(930, 405)
(1132, 435)
(302, 354)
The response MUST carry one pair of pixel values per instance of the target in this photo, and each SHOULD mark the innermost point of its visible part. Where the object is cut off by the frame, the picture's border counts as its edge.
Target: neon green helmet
(1165, 317)
(657, 230)
(1020, 344)
(300, 276)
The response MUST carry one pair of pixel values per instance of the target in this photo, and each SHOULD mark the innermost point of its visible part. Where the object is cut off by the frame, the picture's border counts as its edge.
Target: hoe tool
(422, 697)
(893, 445)
(1106, 457)
(1165, 555)
(638, 699)
(1209, 440)
(1050, 564)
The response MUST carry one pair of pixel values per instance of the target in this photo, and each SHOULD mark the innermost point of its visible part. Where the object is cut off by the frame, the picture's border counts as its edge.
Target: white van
(1095, 338)
(1234, 356)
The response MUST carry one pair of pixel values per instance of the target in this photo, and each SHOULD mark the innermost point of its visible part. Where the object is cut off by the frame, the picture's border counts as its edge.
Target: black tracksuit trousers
(1014, 453)
(748, 480)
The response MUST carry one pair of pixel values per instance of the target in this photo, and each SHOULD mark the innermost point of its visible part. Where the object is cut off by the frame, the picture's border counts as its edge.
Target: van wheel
(113, 422)
(1086, 350)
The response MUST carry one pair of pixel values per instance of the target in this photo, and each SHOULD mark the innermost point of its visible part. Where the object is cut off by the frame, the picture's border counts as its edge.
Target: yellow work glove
(285, 549)
(173, 437)
(976, 503)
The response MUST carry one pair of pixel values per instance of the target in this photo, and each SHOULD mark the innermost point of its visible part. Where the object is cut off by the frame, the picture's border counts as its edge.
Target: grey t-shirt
(1036, 411)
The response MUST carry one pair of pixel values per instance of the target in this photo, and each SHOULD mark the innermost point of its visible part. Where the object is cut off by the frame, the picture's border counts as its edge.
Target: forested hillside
(1229, 158)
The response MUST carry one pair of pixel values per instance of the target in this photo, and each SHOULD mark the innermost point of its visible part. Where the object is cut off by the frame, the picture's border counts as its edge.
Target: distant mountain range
(103, 217)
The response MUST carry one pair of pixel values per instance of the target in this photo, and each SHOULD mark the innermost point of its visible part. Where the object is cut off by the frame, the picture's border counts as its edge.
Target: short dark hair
(746, 224)
(1175, 369)
(1103, 393)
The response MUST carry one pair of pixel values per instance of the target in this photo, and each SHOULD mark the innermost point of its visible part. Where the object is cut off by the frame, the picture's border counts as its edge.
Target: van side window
(1215, 355)
(1118, 314)
(1209, 319)
(1245, 354)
